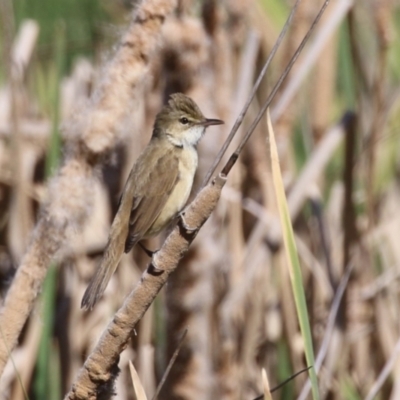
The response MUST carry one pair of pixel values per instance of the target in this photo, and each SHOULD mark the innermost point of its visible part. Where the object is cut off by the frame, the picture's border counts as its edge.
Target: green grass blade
(43, 370)
(47, 380)
(53, 154)
(293, 260)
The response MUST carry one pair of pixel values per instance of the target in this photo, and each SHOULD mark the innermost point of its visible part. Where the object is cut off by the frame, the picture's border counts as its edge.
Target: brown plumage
(157, 187)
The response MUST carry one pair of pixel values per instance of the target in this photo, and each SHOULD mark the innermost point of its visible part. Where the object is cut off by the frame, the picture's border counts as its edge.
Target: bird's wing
(150, 195)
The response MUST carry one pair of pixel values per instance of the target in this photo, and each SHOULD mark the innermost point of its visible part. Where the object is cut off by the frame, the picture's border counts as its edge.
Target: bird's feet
(189, 229)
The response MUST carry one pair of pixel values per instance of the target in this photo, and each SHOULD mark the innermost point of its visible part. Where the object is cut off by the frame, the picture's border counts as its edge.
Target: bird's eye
(184, 121)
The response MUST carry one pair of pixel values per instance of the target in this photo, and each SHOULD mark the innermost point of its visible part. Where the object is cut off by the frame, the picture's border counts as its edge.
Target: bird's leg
(147, 251)
(188, 228)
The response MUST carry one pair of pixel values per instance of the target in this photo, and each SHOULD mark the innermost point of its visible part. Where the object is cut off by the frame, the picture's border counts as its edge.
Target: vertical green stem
(53, 154)
(47, 383)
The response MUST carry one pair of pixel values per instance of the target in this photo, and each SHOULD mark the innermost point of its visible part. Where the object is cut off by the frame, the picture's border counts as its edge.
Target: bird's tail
(104, 272)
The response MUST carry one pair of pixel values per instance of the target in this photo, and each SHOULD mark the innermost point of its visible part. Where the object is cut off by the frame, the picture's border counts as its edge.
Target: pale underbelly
(174, 204)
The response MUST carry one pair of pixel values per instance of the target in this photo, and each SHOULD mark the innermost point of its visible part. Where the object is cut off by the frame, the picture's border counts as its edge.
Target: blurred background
(336, 120)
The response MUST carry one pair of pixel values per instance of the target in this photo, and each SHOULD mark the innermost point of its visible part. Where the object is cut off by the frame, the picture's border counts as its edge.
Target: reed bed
(222, 320)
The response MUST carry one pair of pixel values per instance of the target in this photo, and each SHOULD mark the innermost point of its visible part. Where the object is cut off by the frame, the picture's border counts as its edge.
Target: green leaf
(292, 259)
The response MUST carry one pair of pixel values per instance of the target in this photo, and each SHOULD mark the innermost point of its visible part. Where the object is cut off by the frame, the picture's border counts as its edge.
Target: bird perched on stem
(157, 188)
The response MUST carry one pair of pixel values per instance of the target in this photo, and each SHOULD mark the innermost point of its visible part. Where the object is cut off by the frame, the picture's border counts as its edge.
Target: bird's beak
(209, 122)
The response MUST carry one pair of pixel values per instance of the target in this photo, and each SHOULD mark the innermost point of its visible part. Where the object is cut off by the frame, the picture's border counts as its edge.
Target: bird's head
(182, 121)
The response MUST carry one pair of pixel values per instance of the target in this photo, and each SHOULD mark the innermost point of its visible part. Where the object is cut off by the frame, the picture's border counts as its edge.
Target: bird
(157, 187)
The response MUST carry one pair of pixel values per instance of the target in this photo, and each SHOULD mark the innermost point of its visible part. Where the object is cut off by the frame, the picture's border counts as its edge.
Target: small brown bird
(157, 187)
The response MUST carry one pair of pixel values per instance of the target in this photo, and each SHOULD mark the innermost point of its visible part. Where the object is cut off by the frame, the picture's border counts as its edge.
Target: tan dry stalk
(253, 334)
(36, 131)
(215, 19)
(23, 156)
(360, 354)
(185, 54)
(97, 130)
(284, 124)
(360, 317)
(256, 255)
(303, 67)
(324, 84)
(389, 366)
(234, 214)
(381, 14)
(227, 367)
(386, 326)
(99, 371)
(21, 213)
(170, 364)
(145, 353)
(313, 170)
(238, 12)
(190, 301)
(28, 359)
(329, 331)
(18, 373)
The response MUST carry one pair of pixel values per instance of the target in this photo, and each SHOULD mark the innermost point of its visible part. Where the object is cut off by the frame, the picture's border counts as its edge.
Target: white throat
(190, 138)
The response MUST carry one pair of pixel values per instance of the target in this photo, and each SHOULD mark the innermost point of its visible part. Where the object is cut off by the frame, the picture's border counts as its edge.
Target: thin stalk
(242, 114)
(232, 160)
(47, 382)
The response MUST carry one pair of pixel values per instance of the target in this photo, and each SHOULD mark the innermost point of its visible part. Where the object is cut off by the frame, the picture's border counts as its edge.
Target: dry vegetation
(335, 119)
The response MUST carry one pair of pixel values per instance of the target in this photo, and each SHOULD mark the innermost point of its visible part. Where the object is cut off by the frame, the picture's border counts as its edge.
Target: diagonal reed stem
(230, 163)
(242, 114)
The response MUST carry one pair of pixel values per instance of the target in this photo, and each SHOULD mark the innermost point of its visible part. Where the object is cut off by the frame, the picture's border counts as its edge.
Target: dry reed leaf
(139, 391)
(267, 393)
